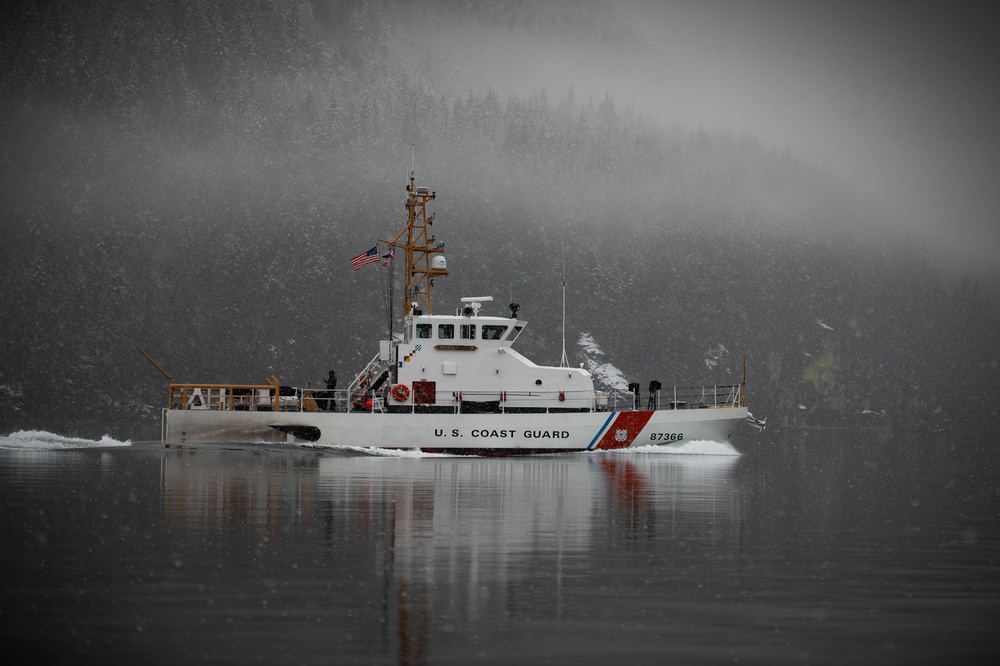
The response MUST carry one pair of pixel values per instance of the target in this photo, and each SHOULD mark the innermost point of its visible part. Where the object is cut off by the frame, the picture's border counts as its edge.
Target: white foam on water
(47, 441)
(377, 452)
(698, 447)
(396, 453)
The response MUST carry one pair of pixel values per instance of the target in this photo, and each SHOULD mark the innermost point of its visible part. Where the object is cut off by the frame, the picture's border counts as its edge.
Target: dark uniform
(331, 386)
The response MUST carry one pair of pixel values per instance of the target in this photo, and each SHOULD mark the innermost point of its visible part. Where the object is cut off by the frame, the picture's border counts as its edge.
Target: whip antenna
(564, 363)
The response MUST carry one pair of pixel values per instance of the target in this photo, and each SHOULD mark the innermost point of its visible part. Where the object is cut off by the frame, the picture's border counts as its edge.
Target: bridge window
(468, 331)
(493, 331)
(423, 330)
(446, 331)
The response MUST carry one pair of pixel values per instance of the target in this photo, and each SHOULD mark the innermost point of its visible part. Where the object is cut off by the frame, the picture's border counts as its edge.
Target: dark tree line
(194, 176)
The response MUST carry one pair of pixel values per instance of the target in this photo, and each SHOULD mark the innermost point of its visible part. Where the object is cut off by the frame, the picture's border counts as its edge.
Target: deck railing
(261, 397)
(236, 397)
(682, 397)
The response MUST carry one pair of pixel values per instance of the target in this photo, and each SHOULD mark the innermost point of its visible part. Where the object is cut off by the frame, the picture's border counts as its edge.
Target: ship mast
(424, 260)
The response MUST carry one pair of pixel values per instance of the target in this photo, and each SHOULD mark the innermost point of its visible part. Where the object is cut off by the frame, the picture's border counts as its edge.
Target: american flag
(387, 256)
(365, 258)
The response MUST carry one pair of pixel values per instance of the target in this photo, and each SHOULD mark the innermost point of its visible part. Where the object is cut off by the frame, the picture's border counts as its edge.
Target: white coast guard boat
(452, 383)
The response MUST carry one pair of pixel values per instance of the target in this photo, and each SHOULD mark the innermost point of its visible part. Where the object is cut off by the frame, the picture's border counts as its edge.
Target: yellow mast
(421, 250)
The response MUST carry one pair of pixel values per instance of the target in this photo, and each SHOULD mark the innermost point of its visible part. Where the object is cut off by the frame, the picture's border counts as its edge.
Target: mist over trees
(193, 177)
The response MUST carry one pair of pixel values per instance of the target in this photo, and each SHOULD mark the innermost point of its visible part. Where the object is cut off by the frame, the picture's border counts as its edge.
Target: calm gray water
(809, 548)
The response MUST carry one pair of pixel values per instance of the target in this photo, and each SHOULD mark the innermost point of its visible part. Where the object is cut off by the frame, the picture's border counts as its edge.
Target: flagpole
(390, 261)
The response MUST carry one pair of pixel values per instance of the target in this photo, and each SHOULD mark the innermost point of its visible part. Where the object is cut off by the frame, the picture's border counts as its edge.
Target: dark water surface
(810, 548)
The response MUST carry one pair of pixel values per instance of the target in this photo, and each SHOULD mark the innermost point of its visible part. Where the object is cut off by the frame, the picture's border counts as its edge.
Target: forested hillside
(193, 177)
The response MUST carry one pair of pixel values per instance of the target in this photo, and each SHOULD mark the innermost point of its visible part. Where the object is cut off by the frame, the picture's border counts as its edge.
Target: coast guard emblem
(621, 434)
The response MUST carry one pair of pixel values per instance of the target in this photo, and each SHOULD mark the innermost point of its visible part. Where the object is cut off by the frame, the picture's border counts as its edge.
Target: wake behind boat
(452, 383)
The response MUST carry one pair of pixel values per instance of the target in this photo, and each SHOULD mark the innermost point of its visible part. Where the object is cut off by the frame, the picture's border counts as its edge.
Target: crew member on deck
(331, 386)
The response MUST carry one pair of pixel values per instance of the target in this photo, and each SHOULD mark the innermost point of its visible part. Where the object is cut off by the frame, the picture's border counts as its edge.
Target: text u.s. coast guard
(503, 434)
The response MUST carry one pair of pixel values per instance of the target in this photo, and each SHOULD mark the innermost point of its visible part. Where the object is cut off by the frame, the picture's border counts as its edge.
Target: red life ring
(400, 392)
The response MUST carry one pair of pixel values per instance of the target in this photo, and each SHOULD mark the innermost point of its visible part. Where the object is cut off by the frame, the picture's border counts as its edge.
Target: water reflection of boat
(467, 535)
(442, 541)
(495, 506)
(505, 507)
(504, 502)
(220, 489)
(644, 490)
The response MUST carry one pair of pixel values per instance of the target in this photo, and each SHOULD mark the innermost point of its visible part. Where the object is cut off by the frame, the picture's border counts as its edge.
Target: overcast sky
(902, 98)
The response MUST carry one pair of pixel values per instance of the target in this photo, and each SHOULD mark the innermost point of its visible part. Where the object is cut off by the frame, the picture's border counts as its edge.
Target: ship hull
(457, 433)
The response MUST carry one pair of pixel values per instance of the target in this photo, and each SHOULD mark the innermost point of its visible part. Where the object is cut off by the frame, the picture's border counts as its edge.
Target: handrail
(225, 396)
(271, 396)
(365, 375)
(717, 396)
